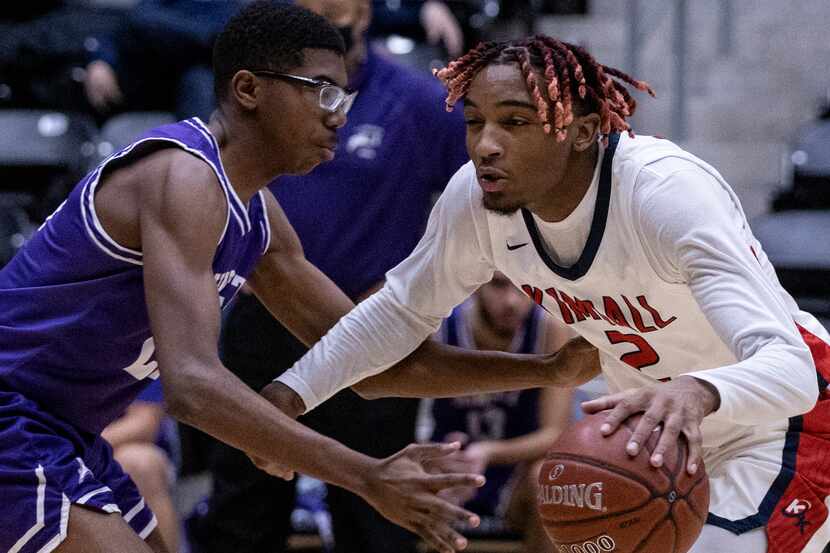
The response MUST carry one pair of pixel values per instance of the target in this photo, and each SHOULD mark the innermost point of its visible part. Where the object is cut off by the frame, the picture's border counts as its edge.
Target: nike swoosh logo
(512, 247)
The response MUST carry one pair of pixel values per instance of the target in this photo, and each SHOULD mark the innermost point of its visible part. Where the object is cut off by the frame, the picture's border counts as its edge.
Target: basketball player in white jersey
(641, 248)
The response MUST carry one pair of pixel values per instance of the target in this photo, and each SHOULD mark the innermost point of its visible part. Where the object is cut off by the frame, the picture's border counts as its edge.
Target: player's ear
(245, 87)
(586, 129)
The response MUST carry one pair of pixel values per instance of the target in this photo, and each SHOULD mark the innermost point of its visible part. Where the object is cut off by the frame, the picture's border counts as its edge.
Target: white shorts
(771, 491)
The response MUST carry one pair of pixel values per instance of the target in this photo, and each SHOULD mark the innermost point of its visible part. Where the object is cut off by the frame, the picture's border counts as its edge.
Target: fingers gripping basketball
(594, 497)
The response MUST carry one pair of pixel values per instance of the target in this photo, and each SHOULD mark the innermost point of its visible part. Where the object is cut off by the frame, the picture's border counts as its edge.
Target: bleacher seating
(42, 154)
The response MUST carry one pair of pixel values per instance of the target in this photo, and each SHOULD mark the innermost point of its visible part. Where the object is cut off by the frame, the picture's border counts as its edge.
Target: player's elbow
(806, 383)
(803, 388)
(183, 401)
(182, 406)
(805, 396)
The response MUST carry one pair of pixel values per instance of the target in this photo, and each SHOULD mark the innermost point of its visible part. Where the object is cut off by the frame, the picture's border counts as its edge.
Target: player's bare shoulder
(176, 175)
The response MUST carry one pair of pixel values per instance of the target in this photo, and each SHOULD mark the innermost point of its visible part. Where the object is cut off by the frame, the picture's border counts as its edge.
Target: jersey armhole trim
(92, 223)
(234, 202)
(267, 226)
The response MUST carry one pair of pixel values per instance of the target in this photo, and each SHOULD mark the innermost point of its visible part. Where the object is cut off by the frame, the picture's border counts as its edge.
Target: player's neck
(572, 188)
(485, 336)
(242, 158)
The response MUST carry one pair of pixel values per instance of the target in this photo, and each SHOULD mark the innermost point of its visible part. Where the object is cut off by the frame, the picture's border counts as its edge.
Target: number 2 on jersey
(643, 356)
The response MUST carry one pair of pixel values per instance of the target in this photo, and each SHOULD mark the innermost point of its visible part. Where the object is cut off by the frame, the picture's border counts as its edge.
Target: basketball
(595, 498)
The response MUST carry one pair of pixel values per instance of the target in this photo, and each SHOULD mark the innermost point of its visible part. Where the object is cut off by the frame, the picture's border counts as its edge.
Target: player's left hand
(473, 458)
(679, 406)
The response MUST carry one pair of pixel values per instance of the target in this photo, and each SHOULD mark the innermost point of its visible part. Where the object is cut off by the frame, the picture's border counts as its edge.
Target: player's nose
(488, 144)
(336, 119)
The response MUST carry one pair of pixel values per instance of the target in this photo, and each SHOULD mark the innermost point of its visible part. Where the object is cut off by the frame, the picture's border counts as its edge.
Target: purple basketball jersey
(74, 331)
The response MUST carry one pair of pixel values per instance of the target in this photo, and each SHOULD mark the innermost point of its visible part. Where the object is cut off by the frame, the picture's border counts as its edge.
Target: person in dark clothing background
(158, 58)
(43, 51)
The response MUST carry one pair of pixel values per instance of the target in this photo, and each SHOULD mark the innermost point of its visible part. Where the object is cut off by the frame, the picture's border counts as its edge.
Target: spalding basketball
(595, 498)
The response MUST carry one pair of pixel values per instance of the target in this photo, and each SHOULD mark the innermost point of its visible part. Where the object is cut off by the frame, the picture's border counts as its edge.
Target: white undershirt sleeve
(695, 232)
(449, 263)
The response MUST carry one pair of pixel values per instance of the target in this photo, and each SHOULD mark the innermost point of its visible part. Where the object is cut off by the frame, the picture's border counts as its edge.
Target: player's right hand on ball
(402, 490)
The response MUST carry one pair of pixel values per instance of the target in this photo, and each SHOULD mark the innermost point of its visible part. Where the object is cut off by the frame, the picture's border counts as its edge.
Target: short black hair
(271, 35)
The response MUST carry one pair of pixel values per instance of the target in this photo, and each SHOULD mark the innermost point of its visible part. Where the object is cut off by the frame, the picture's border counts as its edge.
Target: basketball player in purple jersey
(125, 281)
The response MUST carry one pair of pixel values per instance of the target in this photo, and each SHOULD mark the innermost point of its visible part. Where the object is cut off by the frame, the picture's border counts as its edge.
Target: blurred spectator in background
(506, 434)
(43, 51)
(143, 446)
(158, 58)
(357, 216)
(431, 21)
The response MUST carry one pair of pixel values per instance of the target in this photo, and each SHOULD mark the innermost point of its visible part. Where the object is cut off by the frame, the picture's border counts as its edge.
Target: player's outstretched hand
(574, 364)
(466, 460)
(405, 493)
(679, 406)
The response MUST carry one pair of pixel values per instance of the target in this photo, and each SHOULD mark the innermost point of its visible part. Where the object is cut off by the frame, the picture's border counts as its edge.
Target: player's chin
(500, 203)
(306, 166)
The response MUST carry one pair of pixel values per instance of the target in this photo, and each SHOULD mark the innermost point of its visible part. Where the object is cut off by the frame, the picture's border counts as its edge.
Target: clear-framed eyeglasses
(332, 97)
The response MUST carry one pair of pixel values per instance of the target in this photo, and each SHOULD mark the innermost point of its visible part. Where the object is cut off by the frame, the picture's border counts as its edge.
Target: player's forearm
(300, 296)
(222, 406)
(776, 383)
(373, 336)
(438, 370)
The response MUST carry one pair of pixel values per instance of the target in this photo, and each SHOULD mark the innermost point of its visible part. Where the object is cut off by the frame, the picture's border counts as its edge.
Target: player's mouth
(329, 149)
(491, 179)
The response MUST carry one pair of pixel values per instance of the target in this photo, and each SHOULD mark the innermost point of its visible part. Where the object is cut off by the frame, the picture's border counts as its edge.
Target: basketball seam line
(670, 517)
(654, 528)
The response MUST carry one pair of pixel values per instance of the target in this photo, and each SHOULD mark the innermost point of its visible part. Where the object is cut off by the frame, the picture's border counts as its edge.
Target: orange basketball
(595, 498)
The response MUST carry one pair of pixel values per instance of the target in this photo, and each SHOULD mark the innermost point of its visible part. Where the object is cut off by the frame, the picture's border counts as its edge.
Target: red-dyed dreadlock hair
(565, 70)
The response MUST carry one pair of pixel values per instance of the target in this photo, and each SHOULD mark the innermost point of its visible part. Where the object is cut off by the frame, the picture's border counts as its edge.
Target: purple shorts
(45, 466)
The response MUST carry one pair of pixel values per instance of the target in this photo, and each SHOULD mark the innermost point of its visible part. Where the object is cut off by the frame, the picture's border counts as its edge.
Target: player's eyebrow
(516, 104)
(503, 103)
(328, 79)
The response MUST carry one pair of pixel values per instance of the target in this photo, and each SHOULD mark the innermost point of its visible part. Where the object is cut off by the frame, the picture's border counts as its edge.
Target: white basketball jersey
(664, 286)
(646, 327)
(670, 282)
